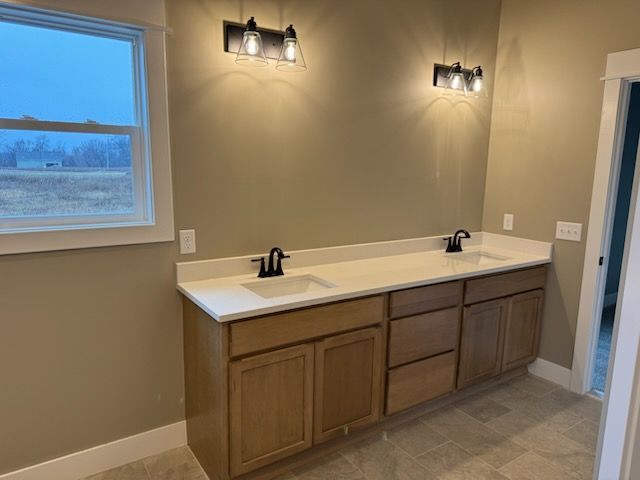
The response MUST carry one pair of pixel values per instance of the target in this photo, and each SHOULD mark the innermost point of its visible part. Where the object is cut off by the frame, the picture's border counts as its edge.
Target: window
(75, 149)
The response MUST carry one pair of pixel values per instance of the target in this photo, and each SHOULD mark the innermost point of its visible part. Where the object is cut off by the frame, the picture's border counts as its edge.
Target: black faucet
(454, 243)
(272, 270)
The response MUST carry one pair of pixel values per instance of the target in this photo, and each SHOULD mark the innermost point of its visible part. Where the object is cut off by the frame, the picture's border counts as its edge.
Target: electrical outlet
(187, 242)
(507, 223)
(569, 231)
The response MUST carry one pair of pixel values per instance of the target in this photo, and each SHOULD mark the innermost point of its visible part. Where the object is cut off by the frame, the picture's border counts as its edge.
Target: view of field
(65, 191)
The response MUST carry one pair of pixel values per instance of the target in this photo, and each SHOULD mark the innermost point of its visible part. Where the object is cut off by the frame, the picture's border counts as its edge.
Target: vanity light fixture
(251, 50)
(477, 85)
(291, 58)
(254, 46)
(457, 80)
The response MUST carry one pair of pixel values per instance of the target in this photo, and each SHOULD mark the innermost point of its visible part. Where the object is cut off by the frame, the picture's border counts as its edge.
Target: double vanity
(277, 368)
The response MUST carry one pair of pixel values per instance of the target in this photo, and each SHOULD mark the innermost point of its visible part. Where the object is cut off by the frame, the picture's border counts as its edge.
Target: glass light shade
(478, 84)
(456, 84)
(291, 58)
(251, 50)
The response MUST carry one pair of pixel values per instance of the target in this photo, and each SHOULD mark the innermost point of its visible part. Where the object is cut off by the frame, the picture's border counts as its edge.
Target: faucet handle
(263, 270)
(451, 244)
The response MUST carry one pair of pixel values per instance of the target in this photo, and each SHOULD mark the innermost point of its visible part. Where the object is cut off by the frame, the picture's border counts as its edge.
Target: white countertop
(225, 299)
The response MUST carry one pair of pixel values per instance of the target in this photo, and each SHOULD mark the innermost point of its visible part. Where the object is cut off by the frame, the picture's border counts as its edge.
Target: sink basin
(478, 258)
(283, 286)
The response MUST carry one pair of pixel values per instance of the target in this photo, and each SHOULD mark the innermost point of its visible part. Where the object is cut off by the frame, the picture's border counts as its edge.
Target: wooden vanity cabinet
(423, 344)
(501, 324)
(261, 390)
(348, 371)
(270, 407)
(481, 341)
(284, 398)
(522, 329)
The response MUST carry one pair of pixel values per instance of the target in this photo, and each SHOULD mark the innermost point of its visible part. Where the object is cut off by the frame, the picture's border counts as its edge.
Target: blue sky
(54, 75)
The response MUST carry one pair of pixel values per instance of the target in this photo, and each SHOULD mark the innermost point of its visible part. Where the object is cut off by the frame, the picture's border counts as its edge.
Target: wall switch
(507, 223)
(187, 242)
(569, 231)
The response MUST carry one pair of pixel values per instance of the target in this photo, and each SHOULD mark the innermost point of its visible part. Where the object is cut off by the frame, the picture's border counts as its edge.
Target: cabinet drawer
(504, 285)
(420, 381)
(422, 336)
(424, 299)
(300, 325)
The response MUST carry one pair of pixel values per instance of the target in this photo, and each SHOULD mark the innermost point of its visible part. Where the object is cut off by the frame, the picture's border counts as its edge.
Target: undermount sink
(478, 258)
(283, 286)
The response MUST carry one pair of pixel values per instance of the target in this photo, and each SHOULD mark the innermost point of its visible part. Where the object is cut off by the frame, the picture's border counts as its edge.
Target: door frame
(623, 68)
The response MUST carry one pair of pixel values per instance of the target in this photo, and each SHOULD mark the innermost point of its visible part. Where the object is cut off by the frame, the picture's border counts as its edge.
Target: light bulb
(290, 50)
(251, 44)
(477, 85)
(456, 81)
(291, 58)
(251, 51)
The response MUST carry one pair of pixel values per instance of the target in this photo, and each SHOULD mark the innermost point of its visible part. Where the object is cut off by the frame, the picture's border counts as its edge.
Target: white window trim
(158, 226)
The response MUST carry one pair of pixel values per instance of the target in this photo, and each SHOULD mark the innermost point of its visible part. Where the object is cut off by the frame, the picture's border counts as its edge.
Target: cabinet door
(522, 331)
(481, 341)
(270, 407)
(347, 384)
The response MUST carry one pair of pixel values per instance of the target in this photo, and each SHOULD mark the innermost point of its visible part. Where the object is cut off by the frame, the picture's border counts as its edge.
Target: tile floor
(523, 429)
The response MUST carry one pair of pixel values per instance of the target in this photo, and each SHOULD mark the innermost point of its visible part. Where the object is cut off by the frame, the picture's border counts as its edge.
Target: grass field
(64, 192)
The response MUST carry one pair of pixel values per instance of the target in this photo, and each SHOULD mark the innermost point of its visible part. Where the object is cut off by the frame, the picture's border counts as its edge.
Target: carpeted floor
(604, 347)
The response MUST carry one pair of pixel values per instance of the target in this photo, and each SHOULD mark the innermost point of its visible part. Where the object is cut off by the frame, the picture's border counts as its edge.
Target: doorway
(618, 235)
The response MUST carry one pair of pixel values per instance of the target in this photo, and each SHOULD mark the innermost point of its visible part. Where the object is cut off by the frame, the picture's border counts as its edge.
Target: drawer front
(424, 299)
(504, 285)
(300, 325)
(421, 336)
(421, 381)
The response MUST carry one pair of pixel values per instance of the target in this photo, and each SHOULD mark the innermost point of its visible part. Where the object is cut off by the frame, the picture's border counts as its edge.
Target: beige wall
(546, 115)
(90, 341)
(359, 148)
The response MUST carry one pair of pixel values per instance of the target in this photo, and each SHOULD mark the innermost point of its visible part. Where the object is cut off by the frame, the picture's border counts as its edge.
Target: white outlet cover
(187, 242)
(569, 231)
(507, 223)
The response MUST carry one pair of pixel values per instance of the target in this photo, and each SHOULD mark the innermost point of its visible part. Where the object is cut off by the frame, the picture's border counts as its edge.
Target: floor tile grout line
(349, 462)
(526, 452)
(478, 457)
(195, 459)
(413, 459)
(544, 460)
(422, 453)
(437, 476)
(494, 431)
(144, 464)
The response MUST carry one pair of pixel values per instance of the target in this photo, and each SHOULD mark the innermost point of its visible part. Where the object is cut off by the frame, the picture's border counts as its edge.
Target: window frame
(152, 220)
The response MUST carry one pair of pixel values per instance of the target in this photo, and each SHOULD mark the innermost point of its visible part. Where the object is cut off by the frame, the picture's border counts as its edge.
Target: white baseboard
(104, 457)
(551, 371)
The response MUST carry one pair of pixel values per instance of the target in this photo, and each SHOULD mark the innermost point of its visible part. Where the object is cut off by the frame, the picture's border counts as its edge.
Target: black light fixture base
(441, 73)
(271, 39)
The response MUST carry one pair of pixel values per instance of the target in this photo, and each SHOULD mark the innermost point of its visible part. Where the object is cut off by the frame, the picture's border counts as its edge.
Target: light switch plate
(187, 242)
(507, 223)
(569, 231)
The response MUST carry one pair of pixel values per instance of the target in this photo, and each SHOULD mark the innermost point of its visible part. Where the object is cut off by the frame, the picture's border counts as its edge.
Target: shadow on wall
(556, 329)
(512, 113)
(358, 138)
